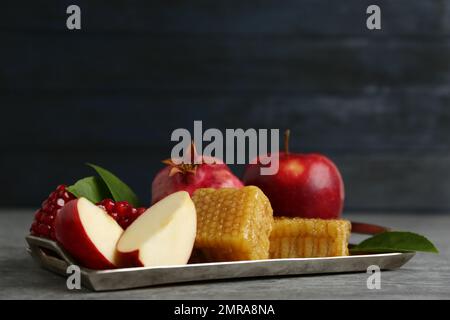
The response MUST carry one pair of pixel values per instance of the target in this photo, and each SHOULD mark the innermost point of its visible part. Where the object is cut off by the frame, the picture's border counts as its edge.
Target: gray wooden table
(427, 276)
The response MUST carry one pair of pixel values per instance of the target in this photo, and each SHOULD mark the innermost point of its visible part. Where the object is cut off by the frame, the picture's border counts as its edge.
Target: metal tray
(52, 257)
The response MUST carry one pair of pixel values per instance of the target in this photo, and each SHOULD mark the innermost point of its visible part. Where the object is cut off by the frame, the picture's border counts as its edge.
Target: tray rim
(93, 279)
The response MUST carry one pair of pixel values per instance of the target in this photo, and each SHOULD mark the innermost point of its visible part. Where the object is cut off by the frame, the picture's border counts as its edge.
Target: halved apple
(88, 233)
(163, 235)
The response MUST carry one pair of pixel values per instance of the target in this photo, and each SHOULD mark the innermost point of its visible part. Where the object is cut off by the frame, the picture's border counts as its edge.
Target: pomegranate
(44, 219)
(206, 173)
(123, 212)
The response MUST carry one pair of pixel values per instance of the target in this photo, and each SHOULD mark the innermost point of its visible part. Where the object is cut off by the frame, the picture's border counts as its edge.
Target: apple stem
(193, 150)
(287, 134)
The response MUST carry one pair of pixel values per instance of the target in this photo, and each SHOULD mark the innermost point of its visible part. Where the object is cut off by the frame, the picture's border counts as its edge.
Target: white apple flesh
(88, 233)
(163, 235)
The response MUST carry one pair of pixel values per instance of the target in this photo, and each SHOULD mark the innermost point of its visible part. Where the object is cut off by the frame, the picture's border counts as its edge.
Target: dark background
(376, 102)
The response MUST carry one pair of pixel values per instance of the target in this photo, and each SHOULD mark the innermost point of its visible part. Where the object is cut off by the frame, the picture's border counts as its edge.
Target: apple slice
(163, 235)
(88, 233)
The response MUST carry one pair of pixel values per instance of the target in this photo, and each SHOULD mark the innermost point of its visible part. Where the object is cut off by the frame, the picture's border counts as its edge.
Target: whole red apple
(212, 173)
(306, 185)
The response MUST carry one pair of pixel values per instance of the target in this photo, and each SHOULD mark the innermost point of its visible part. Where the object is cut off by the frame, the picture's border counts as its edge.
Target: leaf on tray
(91, 188)
(395, 241)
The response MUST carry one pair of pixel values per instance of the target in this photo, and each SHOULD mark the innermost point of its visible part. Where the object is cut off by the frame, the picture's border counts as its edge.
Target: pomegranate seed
(60, 202)
(108, 204)
(48, 219)
(38, 215)
(114, 215)
(67, 196)
(134, 214)
(122, 208)
(51, 208)
(124, 223)
(44, 230)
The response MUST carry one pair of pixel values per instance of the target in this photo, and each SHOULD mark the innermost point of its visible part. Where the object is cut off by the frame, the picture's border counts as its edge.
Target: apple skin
(129, 259)
(71, 234)
(306, 185)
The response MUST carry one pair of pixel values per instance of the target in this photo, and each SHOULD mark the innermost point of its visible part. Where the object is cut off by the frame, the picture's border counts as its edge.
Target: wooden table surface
(426, 276)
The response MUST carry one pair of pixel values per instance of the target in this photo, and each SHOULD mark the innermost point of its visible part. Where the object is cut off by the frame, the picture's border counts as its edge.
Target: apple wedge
(88, 233)
(163, 235)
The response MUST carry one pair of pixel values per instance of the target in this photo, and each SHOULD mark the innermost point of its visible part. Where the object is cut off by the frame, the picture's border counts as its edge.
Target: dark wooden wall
(377, 102)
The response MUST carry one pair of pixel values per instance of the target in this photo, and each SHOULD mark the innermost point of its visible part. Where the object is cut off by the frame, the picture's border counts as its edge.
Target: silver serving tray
(52, 257)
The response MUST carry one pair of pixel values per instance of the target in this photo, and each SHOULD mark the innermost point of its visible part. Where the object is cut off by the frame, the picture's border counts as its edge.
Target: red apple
(163, 235)
(88, 233)
(306, 185)
(208, 173)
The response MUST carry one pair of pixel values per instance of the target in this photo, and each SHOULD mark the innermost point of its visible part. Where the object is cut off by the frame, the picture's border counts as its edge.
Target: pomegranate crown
(184, 168)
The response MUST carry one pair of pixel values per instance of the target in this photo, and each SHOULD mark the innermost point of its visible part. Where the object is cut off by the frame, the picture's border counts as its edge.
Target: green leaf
(395, 241)
(119, 190)
(91, 188)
